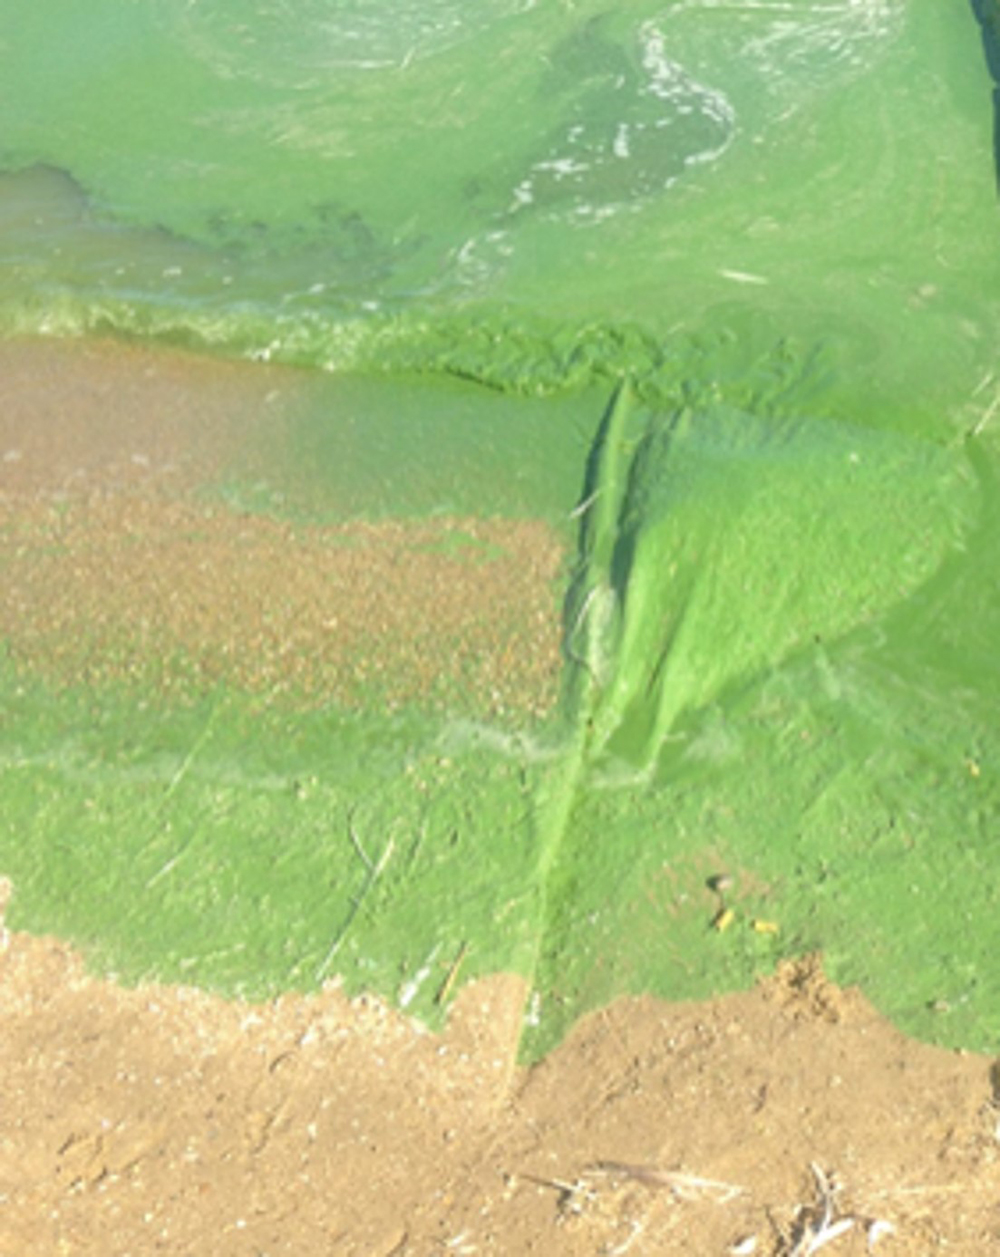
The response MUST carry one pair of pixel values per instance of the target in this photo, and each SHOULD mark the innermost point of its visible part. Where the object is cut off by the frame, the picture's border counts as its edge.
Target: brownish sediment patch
(116, 568)
(78, 417)
(129, 588)
(168, 1120)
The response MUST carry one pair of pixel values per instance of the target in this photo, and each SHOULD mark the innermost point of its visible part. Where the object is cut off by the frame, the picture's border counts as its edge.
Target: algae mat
(658, 647)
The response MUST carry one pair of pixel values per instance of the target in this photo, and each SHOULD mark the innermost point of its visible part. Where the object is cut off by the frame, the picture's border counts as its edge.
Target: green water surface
(721, 275)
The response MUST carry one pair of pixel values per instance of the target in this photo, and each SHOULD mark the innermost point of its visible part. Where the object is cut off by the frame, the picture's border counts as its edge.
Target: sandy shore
(166, 1120)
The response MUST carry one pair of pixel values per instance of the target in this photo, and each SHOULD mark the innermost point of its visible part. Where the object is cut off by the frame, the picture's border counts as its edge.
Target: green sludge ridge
(782, 617)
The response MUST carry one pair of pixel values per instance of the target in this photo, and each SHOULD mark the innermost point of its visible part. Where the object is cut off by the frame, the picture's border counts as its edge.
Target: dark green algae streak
(781, 626)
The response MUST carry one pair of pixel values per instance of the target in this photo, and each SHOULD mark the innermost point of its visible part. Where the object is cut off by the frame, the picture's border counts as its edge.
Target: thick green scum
(746, 256)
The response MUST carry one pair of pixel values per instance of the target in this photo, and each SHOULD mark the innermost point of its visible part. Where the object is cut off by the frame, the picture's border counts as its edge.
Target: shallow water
(360, 182)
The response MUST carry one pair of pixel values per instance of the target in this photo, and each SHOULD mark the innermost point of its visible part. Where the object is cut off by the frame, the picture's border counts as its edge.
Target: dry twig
(675, 1181)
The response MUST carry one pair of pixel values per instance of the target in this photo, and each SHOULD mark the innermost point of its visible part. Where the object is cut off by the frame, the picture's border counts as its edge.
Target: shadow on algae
(987, 14)
(780, 645)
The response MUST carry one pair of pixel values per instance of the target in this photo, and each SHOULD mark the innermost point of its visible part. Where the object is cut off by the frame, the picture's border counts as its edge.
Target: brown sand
(167, 1120)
